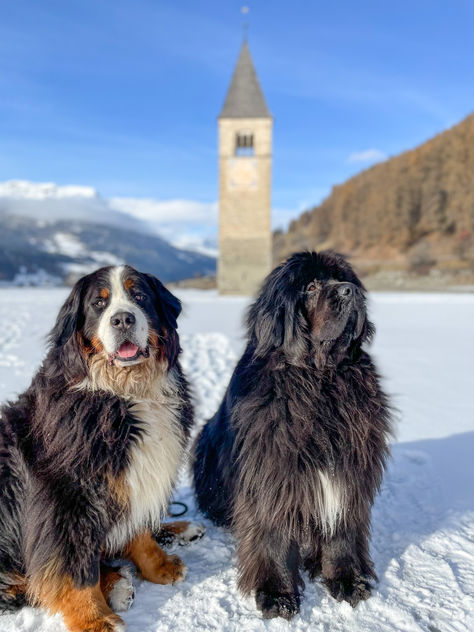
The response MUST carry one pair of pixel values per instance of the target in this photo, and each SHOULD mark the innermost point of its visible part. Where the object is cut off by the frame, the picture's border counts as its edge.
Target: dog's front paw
(353, 588)
(111, 623)
(193, 532)
(272, 605)
(122, 594)
(180, 532)
(172, 571)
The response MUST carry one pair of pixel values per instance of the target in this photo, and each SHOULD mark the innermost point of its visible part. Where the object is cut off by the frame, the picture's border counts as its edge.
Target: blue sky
(124, 95)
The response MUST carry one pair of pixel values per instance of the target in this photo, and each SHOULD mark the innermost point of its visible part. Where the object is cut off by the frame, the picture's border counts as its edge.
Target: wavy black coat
(294, 409)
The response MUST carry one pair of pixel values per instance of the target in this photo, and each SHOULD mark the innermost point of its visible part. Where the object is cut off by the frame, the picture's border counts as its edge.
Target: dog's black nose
(122, 320)
(346, 290)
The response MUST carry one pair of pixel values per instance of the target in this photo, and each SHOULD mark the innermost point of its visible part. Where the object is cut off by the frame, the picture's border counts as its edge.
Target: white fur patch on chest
(154, 464)
(330, 502)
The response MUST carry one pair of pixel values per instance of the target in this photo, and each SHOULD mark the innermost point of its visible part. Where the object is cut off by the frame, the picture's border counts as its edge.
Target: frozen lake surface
(423, 519)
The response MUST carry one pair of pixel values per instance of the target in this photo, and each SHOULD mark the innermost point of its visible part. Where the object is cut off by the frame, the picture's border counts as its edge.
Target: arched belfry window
(244, 144)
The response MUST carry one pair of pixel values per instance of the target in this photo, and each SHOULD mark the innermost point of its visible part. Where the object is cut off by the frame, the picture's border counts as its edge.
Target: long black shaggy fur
(60, 449)
(304, 398)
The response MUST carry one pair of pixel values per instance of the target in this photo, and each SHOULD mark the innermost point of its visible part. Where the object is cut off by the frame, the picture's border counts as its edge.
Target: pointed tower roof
(245, 97)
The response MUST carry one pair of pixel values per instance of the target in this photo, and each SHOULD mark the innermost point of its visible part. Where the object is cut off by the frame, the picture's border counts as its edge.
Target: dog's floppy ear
(70, 317)
(64, 342)
(166, 304)
(168, 308)
(275, 320)
(366, 335)
(368, 332)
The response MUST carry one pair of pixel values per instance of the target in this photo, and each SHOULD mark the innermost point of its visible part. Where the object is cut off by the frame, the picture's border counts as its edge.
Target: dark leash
(177, 513)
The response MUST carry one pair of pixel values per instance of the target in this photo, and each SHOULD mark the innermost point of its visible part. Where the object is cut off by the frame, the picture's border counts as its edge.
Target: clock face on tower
(242, 174)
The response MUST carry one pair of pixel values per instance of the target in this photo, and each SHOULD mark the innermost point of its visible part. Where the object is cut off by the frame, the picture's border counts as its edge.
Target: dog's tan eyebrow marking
(127, 284)
(104, 293)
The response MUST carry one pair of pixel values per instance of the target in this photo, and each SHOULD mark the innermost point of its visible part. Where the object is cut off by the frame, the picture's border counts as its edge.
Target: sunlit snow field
(423, 519)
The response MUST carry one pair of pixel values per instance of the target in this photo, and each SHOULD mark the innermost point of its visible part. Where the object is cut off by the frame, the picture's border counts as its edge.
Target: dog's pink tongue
(127, 350)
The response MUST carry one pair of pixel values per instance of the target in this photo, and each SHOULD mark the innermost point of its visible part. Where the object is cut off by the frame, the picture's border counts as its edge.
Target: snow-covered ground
(423, 520)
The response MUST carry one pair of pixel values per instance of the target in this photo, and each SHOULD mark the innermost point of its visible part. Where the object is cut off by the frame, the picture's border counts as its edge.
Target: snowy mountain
(197, 221)
(52, 234)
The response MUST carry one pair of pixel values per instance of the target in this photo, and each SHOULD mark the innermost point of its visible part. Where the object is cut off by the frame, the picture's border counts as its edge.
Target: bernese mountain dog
(294, 456)
(90, 452)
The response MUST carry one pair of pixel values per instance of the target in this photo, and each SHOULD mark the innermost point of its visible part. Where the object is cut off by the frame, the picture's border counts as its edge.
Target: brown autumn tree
(414, 211)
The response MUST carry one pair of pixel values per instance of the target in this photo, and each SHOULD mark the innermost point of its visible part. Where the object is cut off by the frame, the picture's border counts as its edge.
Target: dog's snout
(346, 290)
(122, 320)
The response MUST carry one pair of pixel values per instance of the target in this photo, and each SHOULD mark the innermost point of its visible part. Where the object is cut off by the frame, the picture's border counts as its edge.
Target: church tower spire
(245, 97)
(245, 161)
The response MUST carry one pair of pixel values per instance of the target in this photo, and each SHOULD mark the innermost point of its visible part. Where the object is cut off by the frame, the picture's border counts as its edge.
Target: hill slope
(413, 212)
(53, 235)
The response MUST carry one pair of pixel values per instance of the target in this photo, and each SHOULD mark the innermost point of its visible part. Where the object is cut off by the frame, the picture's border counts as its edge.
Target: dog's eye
(140, 297)
(311, 287)
(100, 302)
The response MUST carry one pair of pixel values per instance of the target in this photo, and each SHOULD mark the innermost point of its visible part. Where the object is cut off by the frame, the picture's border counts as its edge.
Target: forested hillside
(413, 213)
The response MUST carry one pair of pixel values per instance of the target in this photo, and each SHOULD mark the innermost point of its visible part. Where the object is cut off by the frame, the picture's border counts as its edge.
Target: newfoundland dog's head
(311, 309)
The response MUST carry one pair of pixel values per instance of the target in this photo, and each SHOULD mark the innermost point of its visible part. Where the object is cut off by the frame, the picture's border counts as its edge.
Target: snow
(67, 244)
(47, 203)
(423, 519)
(70, 244)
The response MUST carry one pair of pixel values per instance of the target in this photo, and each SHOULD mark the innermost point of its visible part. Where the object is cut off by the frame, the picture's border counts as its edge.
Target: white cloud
(47, 202)
(206, 244)
(24, 189)
(368, 155)
(176, 211)
(187, 224)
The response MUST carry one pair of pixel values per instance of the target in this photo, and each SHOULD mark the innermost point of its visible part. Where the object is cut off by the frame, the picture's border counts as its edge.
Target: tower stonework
(245, 163)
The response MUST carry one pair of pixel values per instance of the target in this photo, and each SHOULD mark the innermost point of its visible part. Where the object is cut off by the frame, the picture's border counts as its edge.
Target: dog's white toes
(123, 593)
(193, 532)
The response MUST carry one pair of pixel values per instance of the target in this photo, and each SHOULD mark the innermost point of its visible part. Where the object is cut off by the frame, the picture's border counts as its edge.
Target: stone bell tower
(245, 163)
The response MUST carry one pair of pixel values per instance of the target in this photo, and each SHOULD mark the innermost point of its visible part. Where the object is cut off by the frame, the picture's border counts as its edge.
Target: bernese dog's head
(117, 319)
(311, 307)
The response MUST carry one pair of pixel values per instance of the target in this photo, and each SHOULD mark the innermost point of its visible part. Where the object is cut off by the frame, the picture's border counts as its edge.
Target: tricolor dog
(90, 453)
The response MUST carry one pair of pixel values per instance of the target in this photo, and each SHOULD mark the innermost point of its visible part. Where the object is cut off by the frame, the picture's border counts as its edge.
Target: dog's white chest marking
(153, 467)
(330, 501)
(155, 460)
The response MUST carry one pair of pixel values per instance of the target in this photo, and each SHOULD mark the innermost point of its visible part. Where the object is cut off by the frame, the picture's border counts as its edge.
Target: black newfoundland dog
(90, 452)
(294, 456)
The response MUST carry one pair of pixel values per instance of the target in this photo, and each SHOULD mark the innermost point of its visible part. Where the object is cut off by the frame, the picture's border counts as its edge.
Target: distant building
(245, 163)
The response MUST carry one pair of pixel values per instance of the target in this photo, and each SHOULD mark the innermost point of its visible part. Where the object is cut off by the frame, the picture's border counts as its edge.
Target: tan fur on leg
(176, 527)
(83, 609)
(152, 562)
